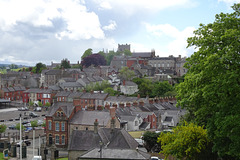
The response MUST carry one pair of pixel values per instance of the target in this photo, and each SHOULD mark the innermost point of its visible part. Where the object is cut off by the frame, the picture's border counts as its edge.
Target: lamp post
(101, 144)
(20, 136)
(33, 140)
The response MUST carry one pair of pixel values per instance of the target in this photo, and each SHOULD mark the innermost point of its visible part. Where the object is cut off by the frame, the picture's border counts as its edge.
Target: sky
(33, 31)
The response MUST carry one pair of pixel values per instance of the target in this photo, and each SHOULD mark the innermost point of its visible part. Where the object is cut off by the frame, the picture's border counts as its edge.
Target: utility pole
(20, 136)
(33, 140)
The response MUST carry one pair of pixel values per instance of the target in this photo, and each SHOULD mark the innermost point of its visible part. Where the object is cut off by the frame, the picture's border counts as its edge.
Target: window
(76, 128)
(86, 128)
(136, 123)
(58, 114)
(153, 119)
(63, 139)
(50, 125)
(57, 139)
(57, 126)
(61, 114)
(63, 126)
(82, 101)
(85, 101)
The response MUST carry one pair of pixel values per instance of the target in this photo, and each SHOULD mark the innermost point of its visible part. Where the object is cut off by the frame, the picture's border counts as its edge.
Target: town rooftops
(119, 154)
(101, 96)
(111, 138)
(66, 107)
(88, 118)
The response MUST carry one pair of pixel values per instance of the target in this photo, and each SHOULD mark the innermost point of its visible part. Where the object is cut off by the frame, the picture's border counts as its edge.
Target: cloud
(79, 23)
(132, 6)
(177, 40)
(229, 2)
(112, 26)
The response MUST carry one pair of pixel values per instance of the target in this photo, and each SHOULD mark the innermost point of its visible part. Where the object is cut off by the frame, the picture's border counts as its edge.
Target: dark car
(27, 142)
(13, 126)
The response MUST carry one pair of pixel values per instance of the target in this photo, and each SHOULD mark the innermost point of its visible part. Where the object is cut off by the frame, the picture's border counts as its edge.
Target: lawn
(136, 134)
(62, 159)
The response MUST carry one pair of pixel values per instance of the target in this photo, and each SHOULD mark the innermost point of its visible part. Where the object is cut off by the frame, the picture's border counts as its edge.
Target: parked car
(25, 122)
(27, 142)
(38, 109)
(27, 125)
(32, 114)
(40, 122)
(37, 158)
(13, 126)
(23, 109)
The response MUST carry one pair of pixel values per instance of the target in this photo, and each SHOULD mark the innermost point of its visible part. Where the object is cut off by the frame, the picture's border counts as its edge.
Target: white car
(37, 158)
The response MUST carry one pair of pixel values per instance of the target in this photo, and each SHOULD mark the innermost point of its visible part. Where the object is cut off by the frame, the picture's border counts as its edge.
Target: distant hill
(7, 65)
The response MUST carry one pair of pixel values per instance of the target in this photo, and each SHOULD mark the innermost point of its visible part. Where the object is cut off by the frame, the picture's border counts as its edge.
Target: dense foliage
(65, 64)
(97, 86)
(154, 89)
(126, 74)
(187, 141)
(150, 141)
(211, 88)
(3, 128)
(94, 59)
(87, 53)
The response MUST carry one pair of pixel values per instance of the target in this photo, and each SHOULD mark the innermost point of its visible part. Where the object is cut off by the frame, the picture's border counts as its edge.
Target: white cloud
(80, 24)
(178, 39)
(131, 6)
(229, 2)
(105, 5)
(112, 26)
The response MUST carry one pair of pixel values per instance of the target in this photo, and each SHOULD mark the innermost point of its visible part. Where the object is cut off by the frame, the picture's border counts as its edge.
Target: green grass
(136, 134)
(62, 159)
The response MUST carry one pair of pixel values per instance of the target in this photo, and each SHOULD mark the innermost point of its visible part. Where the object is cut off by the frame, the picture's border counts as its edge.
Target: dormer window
(58, 114)
(61, 114)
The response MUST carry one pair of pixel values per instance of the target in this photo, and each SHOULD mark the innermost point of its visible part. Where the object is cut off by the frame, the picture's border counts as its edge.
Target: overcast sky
(46, 31)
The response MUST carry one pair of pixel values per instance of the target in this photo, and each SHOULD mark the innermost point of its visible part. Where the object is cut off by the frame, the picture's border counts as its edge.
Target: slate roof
(5, 89)
(127, 118)
(70, 84)
(66, 107)
(63, 94)
(94, 95)
(86, 139)
(130, 83)
(116, 154)
(144, 125)
(142, 54)
(75, 94)
(89, 117)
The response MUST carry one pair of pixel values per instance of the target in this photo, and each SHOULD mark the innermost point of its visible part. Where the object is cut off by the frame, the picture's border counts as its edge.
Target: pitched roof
(119, 154)
(116, 138)
(66, 107)
(89, 117)
(94, 95)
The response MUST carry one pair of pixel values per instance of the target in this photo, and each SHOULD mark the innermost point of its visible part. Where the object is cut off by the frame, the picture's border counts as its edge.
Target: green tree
(34, 123)
(127, 52)
(187, 141)
(111, 91)
(18, 127)
(160, 88)
(126, 74)
(40, 104)
(3, 128)
(211, 87)
(150, 141)
(39, 67)
(88, 52)
(109, 57)
(65, 64)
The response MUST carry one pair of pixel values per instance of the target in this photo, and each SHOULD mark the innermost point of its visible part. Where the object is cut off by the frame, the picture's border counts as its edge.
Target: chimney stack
(121, 105)
(150, 101)
(124, 82)
(135, 103)
(96, 126)
(128, 104)
(141, 103)
(114, 105)
(107, 106)
(112, 124)
(112, 112)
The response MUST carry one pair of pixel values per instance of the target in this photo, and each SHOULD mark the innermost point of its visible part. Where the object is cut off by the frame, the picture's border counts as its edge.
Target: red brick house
(57, 123)
(12, 93)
